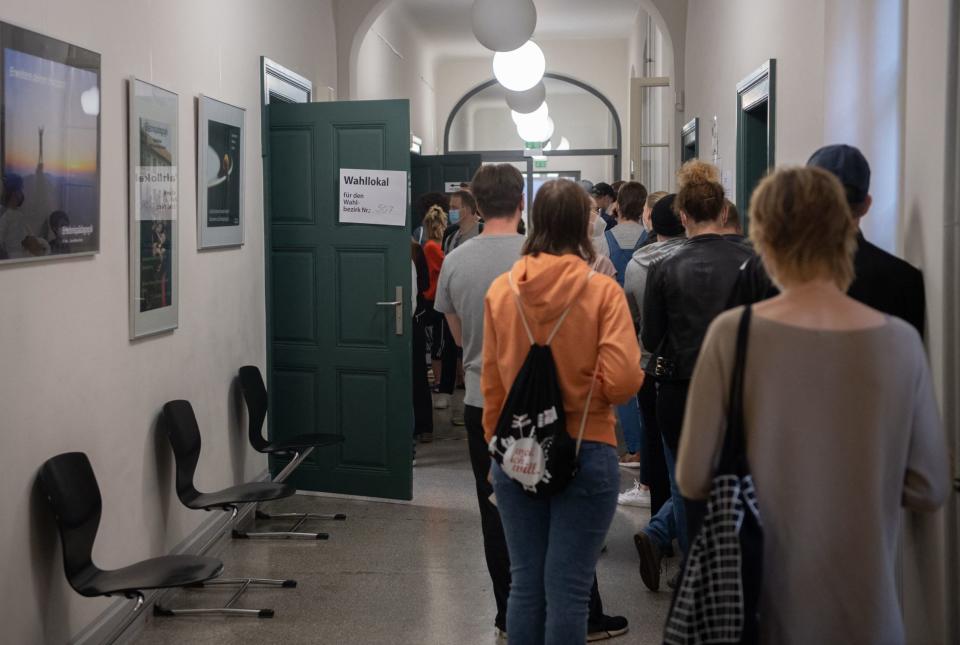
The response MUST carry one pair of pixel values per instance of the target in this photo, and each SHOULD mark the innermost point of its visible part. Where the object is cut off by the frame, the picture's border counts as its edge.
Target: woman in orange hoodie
(555, 542)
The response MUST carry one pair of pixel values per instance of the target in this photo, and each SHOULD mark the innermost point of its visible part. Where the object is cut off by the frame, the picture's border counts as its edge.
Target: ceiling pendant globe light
(521, 69)
(536, 131)
(540, 114)
(528, 101)
(564, 144)
(503, 25)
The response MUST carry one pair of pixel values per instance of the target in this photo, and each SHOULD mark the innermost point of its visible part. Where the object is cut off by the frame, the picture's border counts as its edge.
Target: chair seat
(242, 494)
(156, 573)
(302, 441)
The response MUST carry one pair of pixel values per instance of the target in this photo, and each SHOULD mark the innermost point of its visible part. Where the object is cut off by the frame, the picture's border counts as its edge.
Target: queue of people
(655, 314)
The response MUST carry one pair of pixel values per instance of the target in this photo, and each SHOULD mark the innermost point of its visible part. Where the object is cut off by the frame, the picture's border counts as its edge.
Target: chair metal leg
(298, 458)
(295, 516)
(228, 609)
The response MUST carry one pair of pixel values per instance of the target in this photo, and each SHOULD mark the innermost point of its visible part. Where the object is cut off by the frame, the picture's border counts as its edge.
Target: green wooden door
(337, 361)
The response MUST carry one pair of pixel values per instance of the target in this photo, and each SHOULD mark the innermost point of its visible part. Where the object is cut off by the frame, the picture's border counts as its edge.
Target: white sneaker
(636, 496)
(441, 402)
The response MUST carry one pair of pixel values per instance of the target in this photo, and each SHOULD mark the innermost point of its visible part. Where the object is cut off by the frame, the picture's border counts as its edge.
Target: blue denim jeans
(662, 527)
(554, 546)
(632, 424)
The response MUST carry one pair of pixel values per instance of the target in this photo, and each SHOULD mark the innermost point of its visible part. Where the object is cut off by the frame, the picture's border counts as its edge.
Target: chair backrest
(68, 483)
(255, 396)
(180, 424)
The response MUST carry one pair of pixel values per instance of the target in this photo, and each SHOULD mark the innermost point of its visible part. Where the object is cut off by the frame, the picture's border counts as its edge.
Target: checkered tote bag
(717, 600)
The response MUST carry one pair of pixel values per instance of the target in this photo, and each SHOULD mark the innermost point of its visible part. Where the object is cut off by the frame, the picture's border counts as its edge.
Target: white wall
(72, 380)
(393, 63)
(726, 41)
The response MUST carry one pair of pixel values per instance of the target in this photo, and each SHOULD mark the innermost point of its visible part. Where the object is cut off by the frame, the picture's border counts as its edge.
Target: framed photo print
(220, 174)
(154, 204)
(49, 147)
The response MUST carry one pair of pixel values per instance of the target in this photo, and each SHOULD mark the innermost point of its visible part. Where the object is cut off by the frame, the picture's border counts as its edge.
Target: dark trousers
(653, 471)
(422, 401)
(494, 542)
(448, 360)
(671, 405)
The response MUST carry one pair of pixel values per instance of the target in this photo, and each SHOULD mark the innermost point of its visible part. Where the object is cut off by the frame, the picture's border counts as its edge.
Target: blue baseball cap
(850, 167)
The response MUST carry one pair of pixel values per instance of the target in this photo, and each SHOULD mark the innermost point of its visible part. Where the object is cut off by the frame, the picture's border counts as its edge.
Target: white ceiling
(445, 24)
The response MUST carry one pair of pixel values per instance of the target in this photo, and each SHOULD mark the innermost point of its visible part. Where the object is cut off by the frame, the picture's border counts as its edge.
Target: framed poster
(49, 147)
(154, 204)
(220, 150)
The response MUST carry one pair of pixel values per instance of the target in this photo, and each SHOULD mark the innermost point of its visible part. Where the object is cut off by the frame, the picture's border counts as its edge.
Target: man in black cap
(605, 197)
(883, 281)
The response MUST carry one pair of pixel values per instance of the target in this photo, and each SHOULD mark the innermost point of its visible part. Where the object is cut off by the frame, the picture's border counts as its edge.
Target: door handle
(398, 306)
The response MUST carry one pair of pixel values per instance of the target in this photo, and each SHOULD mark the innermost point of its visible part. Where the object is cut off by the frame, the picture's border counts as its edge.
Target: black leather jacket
(685, 292)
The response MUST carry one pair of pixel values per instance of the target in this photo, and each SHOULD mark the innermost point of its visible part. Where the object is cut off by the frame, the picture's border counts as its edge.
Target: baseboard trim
(355, 498)
(118, 624)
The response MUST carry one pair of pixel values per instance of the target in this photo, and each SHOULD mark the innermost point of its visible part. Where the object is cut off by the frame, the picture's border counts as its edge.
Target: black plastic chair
(70, 486)
(296, 448)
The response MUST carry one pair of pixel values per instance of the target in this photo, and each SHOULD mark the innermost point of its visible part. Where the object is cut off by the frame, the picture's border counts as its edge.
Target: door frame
(690, 130)
(759, 86)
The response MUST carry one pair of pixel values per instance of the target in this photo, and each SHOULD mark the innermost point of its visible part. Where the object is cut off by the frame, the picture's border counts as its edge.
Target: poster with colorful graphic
(49, 147)
(154, 204)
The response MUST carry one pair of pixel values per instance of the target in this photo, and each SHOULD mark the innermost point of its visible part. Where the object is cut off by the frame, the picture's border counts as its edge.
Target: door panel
(335, 361)
(431, 173)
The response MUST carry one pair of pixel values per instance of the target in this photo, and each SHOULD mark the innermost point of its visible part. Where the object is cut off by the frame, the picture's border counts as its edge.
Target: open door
(338, 298)
(439, 173)
(756, 132)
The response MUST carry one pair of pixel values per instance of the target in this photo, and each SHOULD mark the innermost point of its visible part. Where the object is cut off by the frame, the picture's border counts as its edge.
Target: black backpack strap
(733, 457)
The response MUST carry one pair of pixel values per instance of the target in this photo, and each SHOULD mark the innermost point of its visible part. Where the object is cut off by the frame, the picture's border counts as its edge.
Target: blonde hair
(653, 198)
(435, 223)
(700, 194)
(802, 226)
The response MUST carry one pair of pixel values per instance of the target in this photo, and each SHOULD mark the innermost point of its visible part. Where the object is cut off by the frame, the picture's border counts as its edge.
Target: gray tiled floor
(397, 574)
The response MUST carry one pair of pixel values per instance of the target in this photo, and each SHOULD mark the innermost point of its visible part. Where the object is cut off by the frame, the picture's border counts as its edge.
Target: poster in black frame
(49, 147)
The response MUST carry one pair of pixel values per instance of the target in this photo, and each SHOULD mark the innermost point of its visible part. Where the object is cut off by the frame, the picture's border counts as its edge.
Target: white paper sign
(373, 197)
(451, 187)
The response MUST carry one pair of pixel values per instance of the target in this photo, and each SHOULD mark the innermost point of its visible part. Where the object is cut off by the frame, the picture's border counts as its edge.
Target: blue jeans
(662, 527)
(632, 424)
(554, 546)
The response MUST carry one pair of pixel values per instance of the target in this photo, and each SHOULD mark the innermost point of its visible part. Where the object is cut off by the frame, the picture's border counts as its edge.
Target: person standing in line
(647, 218)
(882, 280)
(624, 239)
(434, 224)
(422, 401)
(465, 278)
(661, 530)
(684, 292)
(605, 197)
(424, 203)
(840, 420)
(555, 542)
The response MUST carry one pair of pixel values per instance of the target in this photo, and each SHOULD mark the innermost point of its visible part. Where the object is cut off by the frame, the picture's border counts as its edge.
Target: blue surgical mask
(454, 216)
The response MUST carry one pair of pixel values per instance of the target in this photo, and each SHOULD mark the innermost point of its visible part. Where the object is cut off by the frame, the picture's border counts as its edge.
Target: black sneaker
(674, 582)
(650, 560)
(607, 627)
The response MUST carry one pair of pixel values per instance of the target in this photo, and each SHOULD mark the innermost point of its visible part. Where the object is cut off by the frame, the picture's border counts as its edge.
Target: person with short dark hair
(883, 281)
(840, 422)
(555, 542)
(466, 276)
(605, 196)
(625, 238)
(464, 220)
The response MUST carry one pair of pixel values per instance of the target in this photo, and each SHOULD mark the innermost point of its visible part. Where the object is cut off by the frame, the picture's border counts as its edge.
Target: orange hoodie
(599, 323)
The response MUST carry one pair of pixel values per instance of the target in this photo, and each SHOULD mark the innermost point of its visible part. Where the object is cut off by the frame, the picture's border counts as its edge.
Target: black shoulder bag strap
(734, 456)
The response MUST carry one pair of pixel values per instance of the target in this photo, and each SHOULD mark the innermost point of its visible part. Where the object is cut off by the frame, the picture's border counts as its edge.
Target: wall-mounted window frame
(522, 156)
(641, 121)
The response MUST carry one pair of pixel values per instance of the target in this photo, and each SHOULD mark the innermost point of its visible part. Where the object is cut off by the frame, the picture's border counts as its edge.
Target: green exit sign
(540, 164)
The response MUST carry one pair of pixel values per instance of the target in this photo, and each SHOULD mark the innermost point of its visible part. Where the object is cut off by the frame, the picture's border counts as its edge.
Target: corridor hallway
(397, 573)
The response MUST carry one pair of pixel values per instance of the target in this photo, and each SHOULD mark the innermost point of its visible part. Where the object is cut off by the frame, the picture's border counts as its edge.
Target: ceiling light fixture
(540, 114)
(535, 131)
(503, 25)
(521, 69)
(528, 101)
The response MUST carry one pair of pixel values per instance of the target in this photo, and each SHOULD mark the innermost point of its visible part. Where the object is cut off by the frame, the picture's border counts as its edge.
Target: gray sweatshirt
(635, 280)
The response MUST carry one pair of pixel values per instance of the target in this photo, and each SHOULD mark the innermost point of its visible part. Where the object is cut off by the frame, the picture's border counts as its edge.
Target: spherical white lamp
(503, 25)
(526, 102)
(536, 130)
(520, 69)
(540, 114)
(564, 144)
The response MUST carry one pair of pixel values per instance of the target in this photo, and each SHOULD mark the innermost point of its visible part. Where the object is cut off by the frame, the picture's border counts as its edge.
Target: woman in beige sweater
(841, 423)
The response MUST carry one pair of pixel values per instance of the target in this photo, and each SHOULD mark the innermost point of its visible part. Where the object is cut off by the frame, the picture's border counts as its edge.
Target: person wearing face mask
(597, 228)
(605, 197)
(464, 221)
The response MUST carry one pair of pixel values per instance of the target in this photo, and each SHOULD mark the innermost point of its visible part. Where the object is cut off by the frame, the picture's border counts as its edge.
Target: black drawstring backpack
(718, 598)
(531, 442)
